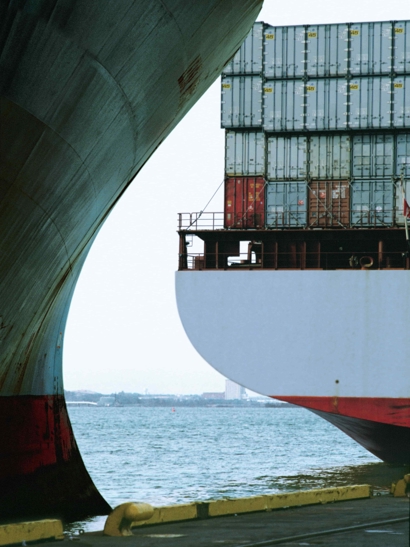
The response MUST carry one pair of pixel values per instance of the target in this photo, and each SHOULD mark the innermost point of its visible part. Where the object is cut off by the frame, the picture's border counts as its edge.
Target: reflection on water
(196, 454)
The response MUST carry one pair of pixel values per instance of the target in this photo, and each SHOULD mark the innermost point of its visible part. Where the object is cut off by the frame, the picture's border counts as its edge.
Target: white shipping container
(283, 105)
(284, 51)
(373, 156)
(241, 101)
(371, 48)
(327, 50)
(249, 57)
(372, 203)
(326, 104)
(370, 101)
(244, 153)
(329, 157)
(287, 158)
(286, 204)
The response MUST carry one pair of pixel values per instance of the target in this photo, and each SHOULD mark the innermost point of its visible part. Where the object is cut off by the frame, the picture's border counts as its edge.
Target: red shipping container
(329, 204)
(244, 202)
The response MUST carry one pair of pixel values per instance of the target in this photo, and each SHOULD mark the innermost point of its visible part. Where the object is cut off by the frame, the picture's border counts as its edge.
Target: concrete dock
(350, 515)
(292, 526)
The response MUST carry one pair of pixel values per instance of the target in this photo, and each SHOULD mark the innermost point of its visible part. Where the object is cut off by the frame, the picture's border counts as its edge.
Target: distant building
(234, 391)
(106, 401)
(213, 395)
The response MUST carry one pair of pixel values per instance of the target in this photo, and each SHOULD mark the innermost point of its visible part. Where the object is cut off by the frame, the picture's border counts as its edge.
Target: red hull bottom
(41, 470)
(380, 425)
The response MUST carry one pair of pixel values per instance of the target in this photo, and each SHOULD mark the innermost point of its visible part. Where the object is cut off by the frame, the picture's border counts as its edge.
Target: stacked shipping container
(321, 114)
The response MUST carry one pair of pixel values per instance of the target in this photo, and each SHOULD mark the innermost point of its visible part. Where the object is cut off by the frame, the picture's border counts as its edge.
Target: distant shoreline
(92, 399)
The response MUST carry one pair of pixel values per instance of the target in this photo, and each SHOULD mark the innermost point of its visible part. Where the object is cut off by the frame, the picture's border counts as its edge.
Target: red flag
(406, 209)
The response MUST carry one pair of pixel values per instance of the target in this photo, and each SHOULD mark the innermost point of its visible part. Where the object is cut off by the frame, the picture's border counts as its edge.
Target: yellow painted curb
(278, 501)
(217, 508)
(171, 513)
(30, 531)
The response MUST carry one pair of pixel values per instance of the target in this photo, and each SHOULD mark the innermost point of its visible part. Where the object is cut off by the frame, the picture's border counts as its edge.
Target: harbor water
(167, 456)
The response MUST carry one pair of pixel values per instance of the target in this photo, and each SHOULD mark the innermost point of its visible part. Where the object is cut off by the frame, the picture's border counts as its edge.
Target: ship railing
(201, 221)
(379, 217)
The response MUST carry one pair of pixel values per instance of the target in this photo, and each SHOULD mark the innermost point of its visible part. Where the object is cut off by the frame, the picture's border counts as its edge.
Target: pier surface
(277, 527)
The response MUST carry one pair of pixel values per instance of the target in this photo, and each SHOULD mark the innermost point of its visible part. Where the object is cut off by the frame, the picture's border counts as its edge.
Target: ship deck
(205, 243)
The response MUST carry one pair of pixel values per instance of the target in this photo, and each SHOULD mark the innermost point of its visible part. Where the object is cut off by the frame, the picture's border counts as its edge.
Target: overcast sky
(123, 331)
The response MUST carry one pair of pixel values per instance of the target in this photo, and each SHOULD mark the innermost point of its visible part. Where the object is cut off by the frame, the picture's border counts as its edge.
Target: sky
(123, 331)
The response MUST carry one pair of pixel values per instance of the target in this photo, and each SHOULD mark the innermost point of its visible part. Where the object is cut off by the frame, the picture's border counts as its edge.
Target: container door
(329, 204)
(286, 204)
(297, 158)
(403, 156)
(316, 45)
(287, 158)
(277, 158)
(293, 105)
(359, 103)
(380, 104)
(272, 106)
(254, 214)
(317, 195)
(318, 157)
(316, 91)
(340, 166)
(360, 47)
(296, 204)
(340, 203)
(256, 153)
(336, 104)
(362, 156)
(294, 47)
(382, 47)
(274, 55)
(234, 202)
(251, 100)
(383, 156)
(372, 156)
(372, 203)
(401, 98)
(402, 46)
(327, 50)
(383, 207)
(329, 157)
(233, 153)
(360, 200)
(337, 50)
(253, 54)
(228, 103)
(275, 205)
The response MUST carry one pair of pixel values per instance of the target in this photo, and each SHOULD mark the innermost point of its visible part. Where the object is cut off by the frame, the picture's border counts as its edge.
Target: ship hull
(332, 341)
(88, 91)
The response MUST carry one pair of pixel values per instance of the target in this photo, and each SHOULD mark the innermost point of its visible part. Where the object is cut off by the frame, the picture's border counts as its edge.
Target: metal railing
(299, 219)
(200, 221)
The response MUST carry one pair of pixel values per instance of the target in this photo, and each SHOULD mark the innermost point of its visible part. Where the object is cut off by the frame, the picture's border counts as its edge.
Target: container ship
(298, 290)
(88, 91)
